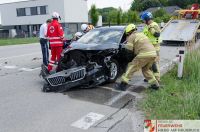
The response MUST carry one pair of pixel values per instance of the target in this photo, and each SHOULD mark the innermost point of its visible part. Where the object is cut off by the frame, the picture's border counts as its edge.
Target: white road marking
(25, 69)
(29, 69)
(11, 57)
(87, 121)
(10, 67)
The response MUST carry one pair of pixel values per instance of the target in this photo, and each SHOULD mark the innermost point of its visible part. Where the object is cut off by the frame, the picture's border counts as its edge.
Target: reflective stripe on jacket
(149, 54)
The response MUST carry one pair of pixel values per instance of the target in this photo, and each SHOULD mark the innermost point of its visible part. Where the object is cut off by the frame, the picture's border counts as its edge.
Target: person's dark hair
(48, 21)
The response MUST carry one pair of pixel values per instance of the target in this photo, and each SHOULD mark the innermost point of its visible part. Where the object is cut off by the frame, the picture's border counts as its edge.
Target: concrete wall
(0, 18)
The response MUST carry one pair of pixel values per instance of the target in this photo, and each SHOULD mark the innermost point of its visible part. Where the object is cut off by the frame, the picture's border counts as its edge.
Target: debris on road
(36, 58)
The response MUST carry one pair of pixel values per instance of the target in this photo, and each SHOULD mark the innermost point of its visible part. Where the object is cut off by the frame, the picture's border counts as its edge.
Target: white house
(28, 15)
(0, 18)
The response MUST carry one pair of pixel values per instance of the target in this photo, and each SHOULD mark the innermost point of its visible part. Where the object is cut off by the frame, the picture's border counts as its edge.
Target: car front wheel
(113, 71)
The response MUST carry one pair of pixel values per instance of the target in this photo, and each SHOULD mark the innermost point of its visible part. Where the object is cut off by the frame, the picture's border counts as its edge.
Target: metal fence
(5, 35)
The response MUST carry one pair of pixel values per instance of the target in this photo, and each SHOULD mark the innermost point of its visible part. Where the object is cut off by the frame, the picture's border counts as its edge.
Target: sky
(124, 4)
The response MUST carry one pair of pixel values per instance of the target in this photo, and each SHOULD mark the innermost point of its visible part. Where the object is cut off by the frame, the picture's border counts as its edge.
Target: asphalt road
(24, 108)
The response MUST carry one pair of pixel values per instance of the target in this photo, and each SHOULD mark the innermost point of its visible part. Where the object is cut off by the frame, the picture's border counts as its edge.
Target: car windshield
(102, 36)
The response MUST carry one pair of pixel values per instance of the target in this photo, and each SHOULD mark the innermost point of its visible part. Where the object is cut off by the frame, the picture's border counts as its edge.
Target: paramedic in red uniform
(55, 35)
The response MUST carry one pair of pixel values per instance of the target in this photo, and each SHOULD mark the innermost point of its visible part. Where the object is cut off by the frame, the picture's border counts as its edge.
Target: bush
(158, 19)
(166, 18)
(159, 13)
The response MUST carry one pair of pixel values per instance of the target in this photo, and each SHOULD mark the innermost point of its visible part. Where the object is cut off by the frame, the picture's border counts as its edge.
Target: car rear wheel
(113, 71)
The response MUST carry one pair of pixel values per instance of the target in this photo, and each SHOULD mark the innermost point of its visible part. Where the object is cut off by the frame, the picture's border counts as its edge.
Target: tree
(113, 16)
(137, 5)
(105, 12)
(119, 16)
(125, 17)
(141, 5)
(94, 15)
(180, 3)
(133, 16)
(151, 3)
(164, 2)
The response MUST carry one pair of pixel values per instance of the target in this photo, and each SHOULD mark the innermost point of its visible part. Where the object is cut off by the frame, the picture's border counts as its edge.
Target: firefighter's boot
(122, 86)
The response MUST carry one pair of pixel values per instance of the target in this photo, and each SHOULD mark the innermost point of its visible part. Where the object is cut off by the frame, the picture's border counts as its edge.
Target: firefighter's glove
(156, 34)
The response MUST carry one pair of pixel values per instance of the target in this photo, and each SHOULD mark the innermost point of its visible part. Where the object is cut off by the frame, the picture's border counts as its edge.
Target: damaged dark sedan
(96, 58)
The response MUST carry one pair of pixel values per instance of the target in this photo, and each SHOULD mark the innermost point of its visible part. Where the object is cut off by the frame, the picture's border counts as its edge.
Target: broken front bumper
(67, 76)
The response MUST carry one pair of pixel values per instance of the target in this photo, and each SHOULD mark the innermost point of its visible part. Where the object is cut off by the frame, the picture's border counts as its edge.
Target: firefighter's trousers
(156, 64)
(140, 63)
(156, 69)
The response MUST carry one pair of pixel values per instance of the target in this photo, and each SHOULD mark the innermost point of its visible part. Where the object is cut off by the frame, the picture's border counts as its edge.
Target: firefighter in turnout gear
(55, 35)
(145, 54)
(152, 31)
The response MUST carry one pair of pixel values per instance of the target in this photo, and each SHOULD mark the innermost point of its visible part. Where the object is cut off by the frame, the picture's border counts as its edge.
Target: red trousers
(55, 57)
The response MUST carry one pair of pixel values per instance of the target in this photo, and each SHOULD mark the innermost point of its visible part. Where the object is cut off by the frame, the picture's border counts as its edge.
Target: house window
(28, 12)
(43, 10)
(21, 12)
(34, 11)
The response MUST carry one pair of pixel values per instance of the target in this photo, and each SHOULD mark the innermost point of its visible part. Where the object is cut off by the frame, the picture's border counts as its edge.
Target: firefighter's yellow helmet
(129, 28)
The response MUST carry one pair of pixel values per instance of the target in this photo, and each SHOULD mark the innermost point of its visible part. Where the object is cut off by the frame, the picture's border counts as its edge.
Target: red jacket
(55, 34)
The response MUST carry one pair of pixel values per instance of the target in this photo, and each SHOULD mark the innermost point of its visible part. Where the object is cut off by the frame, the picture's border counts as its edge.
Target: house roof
(168, 9)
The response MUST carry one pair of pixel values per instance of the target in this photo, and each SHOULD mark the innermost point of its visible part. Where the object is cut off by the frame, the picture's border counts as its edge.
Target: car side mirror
(122, 45)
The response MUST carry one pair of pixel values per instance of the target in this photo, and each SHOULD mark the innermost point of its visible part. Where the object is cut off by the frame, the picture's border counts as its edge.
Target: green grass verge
(16, 41)
(179, 99)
